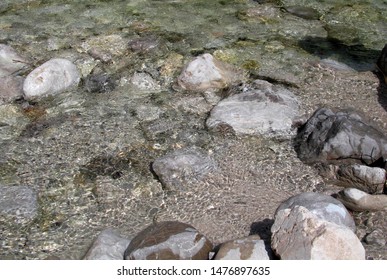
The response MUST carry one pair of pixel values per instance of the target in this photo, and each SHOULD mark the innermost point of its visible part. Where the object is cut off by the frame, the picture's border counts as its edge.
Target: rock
(376, 237)
(100, 83)
(108, 245)
(247, 248)
(206, 73)
(11, 88)
(340, 136)
(20, 202)
(179, 168)
(12, 121)
(145, 44)
(362, 177)
(261, 109)
(298, 234)
(144, 82)
(52, 77)
(323, 206)
(169, 240)
(382, 63)
(303, 12)
(10, 61)
(358, 200)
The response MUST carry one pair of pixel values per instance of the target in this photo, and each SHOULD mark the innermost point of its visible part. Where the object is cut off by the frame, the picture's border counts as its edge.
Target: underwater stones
(340, 135)
(382, 63)
(303, 12)
(101, 83)
(206, 73)
(180, 168)
(10, 61)
(357, 200)
(169, 240)
(298, 234)
(52, 77)
(12, 121)
(20, 202)
(322, 206)
(108, 245)
(260, 109)
(247, 248)
(11, 88)
(144, 82)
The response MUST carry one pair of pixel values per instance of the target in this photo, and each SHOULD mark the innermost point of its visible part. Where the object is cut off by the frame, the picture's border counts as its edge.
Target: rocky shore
(147, 141)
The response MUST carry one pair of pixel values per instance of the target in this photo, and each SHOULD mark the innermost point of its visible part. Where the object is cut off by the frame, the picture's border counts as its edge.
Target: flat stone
(108, 245)
(10, 61)
(20, 202)
(247, 248)
(325, 207)
(298, 234)
(182, 167)
(169, 240)
(259, 109)
(52, 77)
(357, 200)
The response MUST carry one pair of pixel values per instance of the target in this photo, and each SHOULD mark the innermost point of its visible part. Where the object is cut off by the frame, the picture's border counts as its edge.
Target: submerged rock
(11, 88)
(52, 77)
(10, 61)
(303, 12)
(262, 109)
(169, 240)
(358, 200)
(323, 206)
(298, 234)
(12, 121)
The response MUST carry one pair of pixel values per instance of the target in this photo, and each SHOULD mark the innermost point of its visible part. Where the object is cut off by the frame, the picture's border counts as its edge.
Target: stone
(20, 202)
(10, 61)
(108, 245)
(376, 237)
(179, 168)
(357, 200)
(52, 77)
(325, 207)
(298, 234)
(362, 177)
(247, 248)
(206, 73)
(169, 240)
(100, 83)
(144, 82)
(340, 136)
(12, 121)
(382, 63)
(11, 88)
(260, 109)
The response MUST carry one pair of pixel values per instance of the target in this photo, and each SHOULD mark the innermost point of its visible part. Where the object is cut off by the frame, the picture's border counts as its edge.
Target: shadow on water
(357, 57)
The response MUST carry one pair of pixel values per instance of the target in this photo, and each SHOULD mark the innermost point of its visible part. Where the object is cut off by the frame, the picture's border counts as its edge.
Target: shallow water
(88, 154)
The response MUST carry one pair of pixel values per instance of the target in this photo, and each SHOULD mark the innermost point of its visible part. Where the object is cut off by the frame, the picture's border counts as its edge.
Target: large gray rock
(179, 168)
(247, 248)
(207, 73)
(358, 200)
(20, 202)
(259, 109)
(10, 61)
(342, 135)
(298, 234)
(108, 245)
(50, 78)
(323, 206)
(169, 240)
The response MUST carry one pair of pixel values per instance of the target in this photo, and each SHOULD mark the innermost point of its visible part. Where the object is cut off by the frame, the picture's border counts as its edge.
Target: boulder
(259, 109)
(325, 207)
(108, 245)
(169, 240)
(247, 248)
(357, 200)
(206, 73)
(52, 77)
(298, 234)
(340, 135)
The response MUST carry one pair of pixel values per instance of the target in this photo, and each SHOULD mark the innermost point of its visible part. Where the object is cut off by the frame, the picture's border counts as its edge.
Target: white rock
(10, 61)
(207, 73)
(358, 200)
(52, 77)
(297, 234)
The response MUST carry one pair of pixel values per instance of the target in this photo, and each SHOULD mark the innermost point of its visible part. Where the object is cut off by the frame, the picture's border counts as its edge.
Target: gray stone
(357, 200)
(145, 82)
(108, 245)
(12, 121)
(298, 234)
(169, 240)
(11, 88)
(247, 248)
(20, 202)
(376, 237)
(10, 61)
(206, 73)
(261, 109)
(179, 168)
(323, 206)
(343, 135)
(52, 77)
